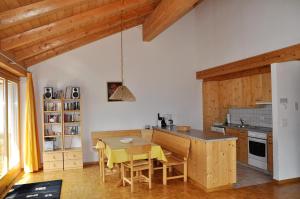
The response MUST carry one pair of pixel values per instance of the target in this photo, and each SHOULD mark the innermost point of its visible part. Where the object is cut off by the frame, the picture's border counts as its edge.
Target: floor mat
(49, 189)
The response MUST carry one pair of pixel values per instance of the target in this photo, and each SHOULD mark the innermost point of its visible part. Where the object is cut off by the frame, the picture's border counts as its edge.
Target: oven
(257, 150)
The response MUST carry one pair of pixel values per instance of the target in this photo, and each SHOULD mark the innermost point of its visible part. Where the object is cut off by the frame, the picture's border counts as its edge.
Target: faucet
(242, 122)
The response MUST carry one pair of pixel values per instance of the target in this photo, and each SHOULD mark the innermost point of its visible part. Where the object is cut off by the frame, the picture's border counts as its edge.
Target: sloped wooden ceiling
(32, 31)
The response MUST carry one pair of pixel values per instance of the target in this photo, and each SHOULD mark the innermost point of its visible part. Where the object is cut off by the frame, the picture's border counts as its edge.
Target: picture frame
(111, 88)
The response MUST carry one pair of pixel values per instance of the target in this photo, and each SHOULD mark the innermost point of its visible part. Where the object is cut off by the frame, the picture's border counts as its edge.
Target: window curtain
(31, 145)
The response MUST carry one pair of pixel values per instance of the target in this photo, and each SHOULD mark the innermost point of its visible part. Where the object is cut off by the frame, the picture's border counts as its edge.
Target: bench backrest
(178, 145)
(119, 133)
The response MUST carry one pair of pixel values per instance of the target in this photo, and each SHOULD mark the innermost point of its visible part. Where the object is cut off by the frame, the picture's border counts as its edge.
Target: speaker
(75, 93)
(48, 92)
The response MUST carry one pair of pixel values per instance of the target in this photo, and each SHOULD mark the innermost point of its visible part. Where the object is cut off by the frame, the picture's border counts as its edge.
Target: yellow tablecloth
(120, 155)
(116, 151)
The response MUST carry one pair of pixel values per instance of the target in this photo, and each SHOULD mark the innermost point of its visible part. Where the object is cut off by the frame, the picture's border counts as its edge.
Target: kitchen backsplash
(253, 116)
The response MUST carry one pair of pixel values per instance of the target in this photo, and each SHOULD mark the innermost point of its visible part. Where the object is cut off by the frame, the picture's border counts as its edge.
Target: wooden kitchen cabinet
(219, 96)
(270, 153)
(242, 144)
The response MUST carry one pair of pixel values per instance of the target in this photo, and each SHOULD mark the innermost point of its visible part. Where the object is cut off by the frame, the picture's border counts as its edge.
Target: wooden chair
(179, 148)
(101, 154)
(137, 165)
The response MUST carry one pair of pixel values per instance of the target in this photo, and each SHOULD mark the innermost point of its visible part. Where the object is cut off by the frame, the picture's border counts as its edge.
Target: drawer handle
(53, 157)
(74, 156)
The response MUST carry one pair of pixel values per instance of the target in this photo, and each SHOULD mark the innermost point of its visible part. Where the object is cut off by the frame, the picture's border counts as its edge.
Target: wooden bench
(178, 147)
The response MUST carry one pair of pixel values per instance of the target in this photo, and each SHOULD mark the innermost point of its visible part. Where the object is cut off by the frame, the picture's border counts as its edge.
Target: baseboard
(292, 180)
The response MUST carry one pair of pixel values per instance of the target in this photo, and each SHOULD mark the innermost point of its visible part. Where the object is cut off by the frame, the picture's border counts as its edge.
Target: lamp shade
(123, 93)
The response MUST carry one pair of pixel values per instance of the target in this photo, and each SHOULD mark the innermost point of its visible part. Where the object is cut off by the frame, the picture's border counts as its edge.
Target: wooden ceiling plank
(81, 42)
(282, 55)
(32, 11)
(166, 13)
(69, 23)
(82, 32)
(12, 3)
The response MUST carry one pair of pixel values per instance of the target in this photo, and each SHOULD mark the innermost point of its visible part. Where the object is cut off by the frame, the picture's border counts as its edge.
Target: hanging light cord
(122, 59)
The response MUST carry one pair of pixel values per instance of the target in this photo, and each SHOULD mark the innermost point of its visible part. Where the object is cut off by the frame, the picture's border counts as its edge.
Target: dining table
(115, 150)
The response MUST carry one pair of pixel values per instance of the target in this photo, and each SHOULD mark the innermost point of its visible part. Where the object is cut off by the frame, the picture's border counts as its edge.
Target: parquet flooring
(85, 184)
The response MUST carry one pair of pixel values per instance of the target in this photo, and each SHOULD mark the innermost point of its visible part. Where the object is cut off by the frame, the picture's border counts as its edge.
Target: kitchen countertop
(249, 128)
(197, 134)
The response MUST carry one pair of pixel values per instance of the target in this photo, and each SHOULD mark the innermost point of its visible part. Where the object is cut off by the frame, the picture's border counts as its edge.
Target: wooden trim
(292, 180)
(261, 70)
(12, 68)
(290, 53)
(8, 179)
(166, 14)
(9, 76)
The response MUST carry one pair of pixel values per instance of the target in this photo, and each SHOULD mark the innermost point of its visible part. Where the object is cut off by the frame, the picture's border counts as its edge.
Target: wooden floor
(86, 183)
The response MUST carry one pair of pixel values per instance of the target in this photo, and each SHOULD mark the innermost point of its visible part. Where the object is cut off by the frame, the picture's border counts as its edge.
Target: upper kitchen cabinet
(234, 91)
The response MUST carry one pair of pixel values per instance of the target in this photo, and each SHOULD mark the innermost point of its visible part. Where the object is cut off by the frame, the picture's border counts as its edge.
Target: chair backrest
(178, 145)
(139, 150)
(121, 133)
(100, 144)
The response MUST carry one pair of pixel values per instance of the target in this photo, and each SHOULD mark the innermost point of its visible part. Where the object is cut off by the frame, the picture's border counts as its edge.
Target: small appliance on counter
(161, 121)
(165, 120)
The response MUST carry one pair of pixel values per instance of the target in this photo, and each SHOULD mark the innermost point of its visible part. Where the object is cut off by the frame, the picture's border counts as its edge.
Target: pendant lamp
(122, 92)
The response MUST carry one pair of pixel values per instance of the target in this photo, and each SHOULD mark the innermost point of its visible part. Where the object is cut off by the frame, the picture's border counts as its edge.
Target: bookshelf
(62, 134)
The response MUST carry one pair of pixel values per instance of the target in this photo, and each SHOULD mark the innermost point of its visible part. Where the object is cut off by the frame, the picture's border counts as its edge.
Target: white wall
(286, 117)
(161, 74)
(236, 29)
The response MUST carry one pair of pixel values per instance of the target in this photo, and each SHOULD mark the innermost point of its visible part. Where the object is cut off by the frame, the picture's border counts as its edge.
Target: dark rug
(49, 189)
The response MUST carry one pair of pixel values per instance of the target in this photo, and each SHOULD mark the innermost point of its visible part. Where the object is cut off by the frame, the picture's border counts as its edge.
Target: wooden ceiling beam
(166, 13)
(69, 23)
(81, 42)
(55, 42)
(290, 53)
(7, 63)
(261, 70)
(33, 11)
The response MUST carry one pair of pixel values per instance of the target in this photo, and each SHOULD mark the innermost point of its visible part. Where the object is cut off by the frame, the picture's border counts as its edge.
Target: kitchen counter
(197, 134)
(212, 157)
(249, 128)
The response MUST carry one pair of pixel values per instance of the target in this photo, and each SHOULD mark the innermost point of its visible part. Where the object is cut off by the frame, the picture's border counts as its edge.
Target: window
(9, 126)
(13, 128)
(3, 160)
